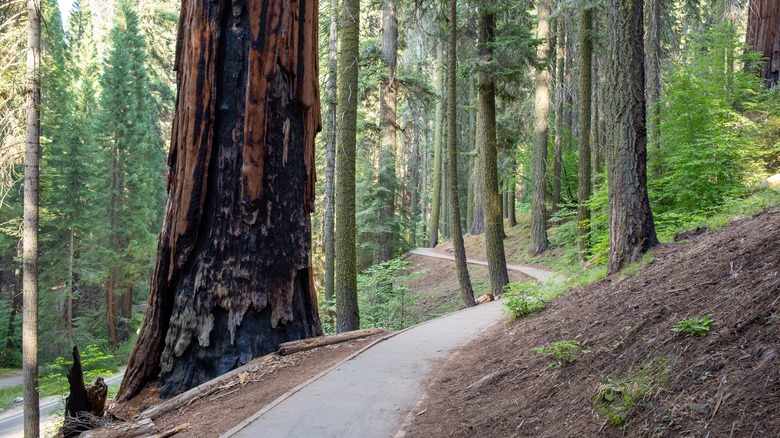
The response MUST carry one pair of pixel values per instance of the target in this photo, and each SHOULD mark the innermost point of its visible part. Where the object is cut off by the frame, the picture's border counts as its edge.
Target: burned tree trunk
(233, 276)
(76, 404)
(763, 34)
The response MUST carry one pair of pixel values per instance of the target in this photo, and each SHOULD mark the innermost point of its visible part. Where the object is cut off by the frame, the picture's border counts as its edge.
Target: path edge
(239, 427)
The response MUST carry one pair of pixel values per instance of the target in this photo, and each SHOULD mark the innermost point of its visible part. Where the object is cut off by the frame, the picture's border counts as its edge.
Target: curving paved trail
(370, 394)
(537, 273)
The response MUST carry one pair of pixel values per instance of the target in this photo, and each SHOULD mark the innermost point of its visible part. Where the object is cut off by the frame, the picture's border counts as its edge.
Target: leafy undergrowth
(639, 377)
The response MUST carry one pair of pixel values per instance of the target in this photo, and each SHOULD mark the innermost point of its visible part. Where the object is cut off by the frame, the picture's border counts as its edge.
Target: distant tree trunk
(763, 35)
(511, 190)
(69, 297)
(653, 44)
(346, 264)
(584, 172)
(330, 157)
(486, 135)
(388, 90)
(17, 298)
(560, 100)
(113, 287)
(541, 110)
(233, 276)
(32, 159)
(478, 209)
(436, 198)
(466, 292)
(595, 128)
(631, 230)
(414, 174)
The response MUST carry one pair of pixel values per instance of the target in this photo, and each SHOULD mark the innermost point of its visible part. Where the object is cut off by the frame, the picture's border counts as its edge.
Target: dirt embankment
(724, 384)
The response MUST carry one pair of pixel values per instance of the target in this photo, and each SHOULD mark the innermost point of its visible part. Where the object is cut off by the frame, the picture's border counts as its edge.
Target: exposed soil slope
(724, 384)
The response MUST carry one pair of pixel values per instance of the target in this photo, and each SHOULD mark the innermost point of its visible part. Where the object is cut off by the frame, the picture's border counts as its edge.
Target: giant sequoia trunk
(233, 275)
(631, 228)
(763, 34)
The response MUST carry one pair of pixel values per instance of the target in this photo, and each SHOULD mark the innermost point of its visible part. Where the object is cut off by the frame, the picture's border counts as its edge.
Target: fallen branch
(174, 431)
(321, 341)
(144, 427)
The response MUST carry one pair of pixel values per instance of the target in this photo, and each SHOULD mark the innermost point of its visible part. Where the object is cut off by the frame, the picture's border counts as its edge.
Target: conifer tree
(133, 153)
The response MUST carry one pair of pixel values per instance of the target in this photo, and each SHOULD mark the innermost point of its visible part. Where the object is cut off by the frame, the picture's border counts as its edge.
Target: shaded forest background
(107, 105)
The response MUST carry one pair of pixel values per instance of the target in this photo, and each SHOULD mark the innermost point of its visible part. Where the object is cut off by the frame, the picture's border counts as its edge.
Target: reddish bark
(233, 275)
(763, 34)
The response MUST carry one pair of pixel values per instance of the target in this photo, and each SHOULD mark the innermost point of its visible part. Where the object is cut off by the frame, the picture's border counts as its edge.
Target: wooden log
(321, 341)
(485, 299)
(201, 391)
(143, 427)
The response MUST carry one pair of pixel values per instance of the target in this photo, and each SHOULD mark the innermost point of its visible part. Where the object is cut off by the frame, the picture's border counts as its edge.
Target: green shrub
(383, 297)
(564, 353)
(693, 326)
(615, 397)
(522, 299)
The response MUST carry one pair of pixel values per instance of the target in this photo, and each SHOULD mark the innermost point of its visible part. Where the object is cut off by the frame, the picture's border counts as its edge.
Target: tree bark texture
(539, 240)
(436, 198)
(584, 164)
(415, 173)
(560, 100)
(653, 66)
(631, 230)
(330, 157)
(388, 91)
(763, 34)
(233, 276)
(478, 208)
(466, 291)
(32, 158)
(346, 142)
(486, 135)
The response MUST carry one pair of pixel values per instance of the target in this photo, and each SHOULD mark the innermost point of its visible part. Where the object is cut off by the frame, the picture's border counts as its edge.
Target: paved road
(12, 422)
(11, 378)
(537, 273)
(371, 394)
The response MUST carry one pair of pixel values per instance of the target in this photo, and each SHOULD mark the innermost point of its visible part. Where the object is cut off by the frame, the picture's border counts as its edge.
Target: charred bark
(233, 276)
(76, 403)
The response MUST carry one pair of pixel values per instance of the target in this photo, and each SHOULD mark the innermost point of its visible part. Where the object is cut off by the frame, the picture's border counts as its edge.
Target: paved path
(370, 394)
(537, 273)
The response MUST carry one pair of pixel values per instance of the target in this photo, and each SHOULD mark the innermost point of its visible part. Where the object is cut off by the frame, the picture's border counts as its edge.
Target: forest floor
(651, 380)
(435, 286)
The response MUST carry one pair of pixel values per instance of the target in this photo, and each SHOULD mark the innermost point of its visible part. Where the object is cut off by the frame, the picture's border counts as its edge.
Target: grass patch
(8, 394)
